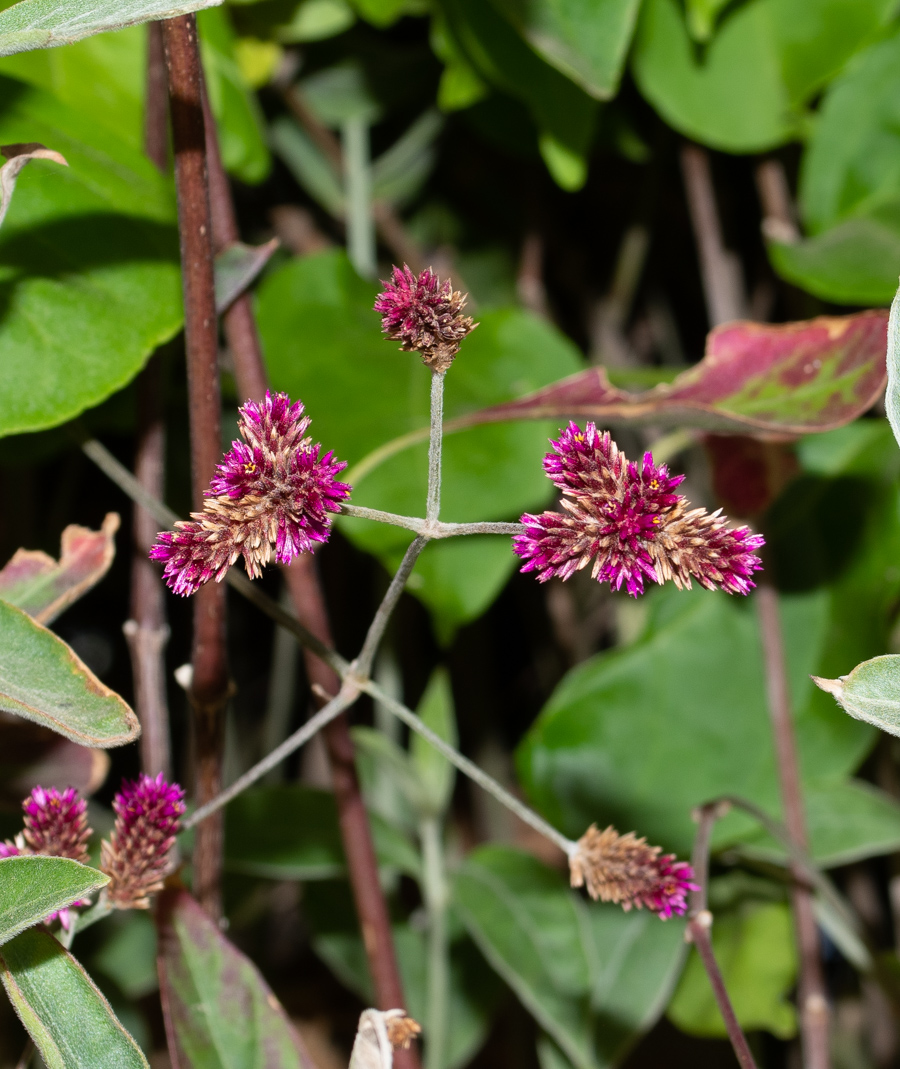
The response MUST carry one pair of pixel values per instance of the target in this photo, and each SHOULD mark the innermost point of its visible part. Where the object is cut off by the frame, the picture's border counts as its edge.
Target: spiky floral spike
(56, 823)
(626, 519)
(9, 849)
(273, 491)
(624, 869)
(136, 856)
(425, 315)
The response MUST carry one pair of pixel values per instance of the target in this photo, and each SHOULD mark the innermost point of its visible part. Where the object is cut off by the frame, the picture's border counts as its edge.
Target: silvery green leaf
(871, 692)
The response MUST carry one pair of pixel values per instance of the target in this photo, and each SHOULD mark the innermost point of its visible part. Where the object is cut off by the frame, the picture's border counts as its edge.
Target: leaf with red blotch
(43, 587)
(758, 379)
(219, 1011)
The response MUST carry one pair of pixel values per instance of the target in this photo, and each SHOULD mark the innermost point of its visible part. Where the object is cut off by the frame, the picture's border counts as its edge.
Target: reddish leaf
(43, 587)
(219, 1011)
(758, 379)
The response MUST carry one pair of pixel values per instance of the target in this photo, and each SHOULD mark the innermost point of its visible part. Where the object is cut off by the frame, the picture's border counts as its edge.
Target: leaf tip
(834, 687)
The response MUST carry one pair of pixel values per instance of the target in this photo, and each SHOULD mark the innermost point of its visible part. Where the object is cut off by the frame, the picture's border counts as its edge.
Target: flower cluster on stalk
(137, 855)
(626, 518)
(425, 315)
(624, 869)
(273, 493)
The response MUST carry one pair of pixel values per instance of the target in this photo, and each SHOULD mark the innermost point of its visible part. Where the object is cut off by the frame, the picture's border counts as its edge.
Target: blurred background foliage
(530, 150)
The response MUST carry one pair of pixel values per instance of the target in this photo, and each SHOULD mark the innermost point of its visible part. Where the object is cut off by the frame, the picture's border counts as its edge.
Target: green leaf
(43, 680)
(492, 46)
(361, 392)
(89, 277)
(435, 772)
(308, 164)
(855, 262)
(593, 976)
(743, 92)
(239, 118)
(754, 947)
(43, 587)
(103, 78)
(219, 1011)
(871, 692)
(71, 1023)
(852, 161)
(292, 833)
(49, 23)
(31, 888)
(584, 39)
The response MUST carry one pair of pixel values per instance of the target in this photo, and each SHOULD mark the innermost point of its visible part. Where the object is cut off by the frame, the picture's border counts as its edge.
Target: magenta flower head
(624, 869)
(273, 491)
(136, 855)
(425, 315)
(626, 518)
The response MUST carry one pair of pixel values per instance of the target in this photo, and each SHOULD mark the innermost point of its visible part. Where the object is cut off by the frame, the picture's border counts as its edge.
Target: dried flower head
(624, 869)
(626, 518)
(425, 315)
(378, 1035)
(272, 491)
(136, 856)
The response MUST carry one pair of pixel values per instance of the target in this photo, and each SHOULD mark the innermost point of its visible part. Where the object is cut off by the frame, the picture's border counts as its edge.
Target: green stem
(435, 892)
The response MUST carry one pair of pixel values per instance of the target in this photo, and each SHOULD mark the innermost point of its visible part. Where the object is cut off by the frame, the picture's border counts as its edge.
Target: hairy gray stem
(433, 504)
(432, 530)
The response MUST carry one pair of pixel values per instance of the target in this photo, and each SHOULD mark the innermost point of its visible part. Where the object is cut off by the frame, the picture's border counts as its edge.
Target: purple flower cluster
(424, 314)
(55, 825)
(626, 518)
(624, 869)
(136, 856)
(273, 490)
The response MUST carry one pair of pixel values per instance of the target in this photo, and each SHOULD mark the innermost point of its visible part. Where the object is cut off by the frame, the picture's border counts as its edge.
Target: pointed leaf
(791, 378)
(31, 888)
(71, 1023)
(220, 1013)
(43, 680)
(43, 587)
(871, 692)
(237, 267)
(49, 23)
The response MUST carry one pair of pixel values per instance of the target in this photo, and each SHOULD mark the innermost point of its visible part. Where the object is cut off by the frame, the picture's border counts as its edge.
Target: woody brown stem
(309, 605)
(812, 999)
(209, 687)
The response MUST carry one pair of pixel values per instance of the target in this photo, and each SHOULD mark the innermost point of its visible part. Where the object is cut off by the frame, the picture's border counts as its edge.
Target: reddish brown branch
(156, 115)
(309, 606)
(812, 996)
(209, 688)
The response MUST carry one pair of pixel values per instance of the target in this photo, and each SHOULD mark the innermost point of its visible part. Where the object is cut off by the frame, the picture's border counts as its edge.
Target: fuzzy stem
(312, 726)
(812, 995)
(146, 631)
(698, 931)
(435, 893)
(209, 689)
(388, 603)
(431, 530)
(433, 505)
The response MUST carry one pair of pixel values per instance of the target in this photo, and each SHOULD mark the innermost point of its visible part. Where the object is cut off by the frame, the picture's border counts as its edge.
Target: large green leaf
(71, 1023)
(49, 23)
(754, 946)
(89, 279)
(220, 1013)
(31, 888)
(742, 92)
(593, 976)
(585, 39)
(323, 344)
(43, 680)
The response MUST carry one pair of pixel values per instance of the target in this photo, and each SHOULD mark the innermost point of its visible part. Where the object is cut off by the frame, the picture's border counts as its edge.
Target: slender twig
(812, 994)
(435, 894)
(779, 221)
(209, 688)
(431, 530)
(435, 439)
(698, 932)
(300, 737)
(147, 631)
(388, 604)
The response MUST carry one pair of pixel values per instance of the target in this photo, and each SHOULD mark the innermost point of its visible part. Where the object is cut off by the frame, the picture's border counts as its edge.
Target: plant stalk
(156, 115)
(358, 190)
(435, 893)
(209, 688)
(812, 998)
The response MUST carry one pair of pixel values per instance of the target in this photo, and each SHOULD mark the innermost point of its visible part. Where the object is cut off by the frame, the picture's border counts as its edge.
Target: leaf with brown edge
(757, 379)
(43, 680)
(43, 587)
(219, 1011)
